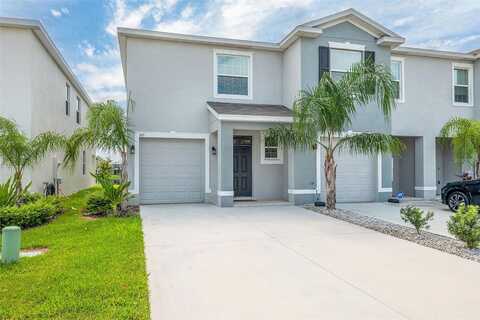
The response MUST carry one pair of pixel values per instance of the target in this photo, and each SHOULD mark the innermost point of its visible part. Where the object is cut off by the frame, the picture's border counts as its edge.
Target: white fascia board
(390, 41)
(433, 53)
(300, 31)
(42, 35)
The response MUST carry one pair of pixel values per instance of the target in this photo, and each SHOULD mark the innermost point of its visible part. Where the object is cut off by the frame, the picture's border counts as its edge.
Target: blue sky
(84, 30)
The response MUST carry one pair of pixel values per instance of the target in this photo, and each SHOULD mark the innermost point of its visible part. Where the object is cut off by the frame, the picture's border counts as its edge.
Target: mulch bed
(426, 239)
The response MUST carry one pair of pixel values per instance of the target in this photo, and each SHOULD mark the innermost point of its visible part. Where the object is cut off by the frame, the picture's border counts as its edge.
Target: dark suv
(458, 192)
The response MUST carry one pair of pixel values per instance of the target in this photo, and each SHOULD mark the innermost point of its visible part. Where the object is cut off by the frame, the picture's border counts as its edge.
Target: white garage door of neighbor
(356, 178)
(172, 170)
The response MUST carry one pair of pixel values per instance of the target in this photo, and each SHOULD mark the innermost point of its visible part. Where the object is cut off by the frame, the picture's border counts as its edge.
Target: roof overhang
(434, 53)
(248, 117)
(39, 31)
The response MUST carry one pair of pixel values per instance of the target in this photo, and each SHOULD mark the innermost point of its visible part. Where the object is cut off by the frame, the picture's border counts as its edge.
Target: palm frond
(80, 139)
(42, 144)
(464, 135)
(369, 82)
(370, 143)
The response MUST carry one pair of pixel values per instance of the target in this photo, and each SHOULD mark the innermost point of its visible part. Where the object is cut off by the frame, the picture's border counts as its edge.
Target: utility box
(10, 244)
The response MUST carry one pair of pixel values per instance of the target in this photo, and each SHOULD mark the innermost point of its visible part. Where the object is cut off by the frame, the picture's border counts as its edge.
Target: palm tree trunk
(477, 167)
(124, 177)
(330, 180)
(18, 181)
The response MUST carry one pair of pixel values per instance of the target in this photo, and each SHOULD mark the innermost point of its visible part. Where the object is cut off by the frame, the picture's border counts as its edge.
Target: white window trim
(402, 78)
(346, 46)
(469, 68)
(68, 94)
(279, 160)
(170, 135)
(250, 74)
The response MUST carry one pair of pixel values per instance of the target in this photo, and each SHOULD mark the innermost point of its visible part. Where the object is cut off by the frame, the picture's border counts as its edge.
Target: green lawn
(93, 270)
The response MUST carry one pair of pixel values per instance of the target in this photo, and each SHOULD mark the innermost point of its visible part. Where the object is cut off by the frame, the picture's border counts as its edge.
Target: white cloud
(187, 12)
(56, 13)
(87, 48)
(61, 12)
(102, 82)
(133, 17)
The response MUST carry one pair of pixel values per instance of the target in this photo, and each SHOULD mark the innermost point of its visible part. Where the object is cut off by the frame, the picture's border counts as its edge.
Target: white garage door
(171, 170)
(356, 178)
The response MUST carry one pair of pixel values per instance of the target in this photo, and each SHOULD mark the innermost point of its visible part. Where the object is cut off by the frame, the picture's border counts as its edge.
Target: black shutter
(323, 61)
(370, 55)
(370, 58)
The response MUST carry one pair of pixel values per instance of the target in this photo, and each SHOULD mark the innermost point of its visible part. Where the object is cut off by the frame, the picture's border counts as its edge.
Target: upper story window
(462, 90)
(397, 69)
(271, 152)
(233, 74)
(343, 56)
(78, 110)
(67, 99)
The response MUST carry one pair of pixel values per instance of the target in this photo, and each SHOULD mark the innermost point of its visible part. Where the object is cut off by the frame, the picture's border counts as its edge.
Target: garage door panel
(172, 171)
(356, 178)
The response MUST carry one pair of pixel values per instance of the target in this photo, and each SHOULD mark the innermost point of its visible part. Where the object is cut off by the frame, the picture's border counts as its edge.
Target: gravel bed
(426, 239)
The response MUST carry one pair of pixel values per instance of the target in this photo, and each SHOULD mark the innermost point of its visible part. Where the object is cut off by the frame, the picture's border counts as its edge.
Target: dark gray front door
(242, 166)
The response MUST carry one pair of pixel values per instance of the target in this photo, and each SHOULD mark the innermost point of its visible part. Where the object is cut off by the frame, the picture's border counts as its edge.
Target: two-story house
(40, 93)
(203, 103)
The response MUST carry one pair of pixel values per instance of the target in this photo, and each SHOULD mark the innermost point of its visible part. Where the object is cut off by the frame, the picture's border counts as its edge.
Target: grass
(94, 269)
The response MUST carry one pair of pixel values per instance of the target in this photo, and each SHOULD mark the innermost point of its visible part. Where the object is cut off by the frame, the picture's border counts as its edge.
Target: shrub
(416, 217)
(31, 214)
(8, 194)
(28, 197)
(115, 193)
(98, 204)
(465, 225)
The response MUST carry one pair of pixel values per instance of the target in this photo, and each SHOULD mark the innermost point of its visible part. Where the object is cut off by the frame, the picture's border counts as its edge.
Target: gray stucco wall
(292, 75)
(32, 93)
(171, 81)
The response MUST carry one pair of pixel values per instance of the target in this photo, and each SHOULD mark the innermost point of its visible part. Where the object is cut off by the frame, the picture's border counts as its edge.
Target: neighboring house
(40, 93)
(203, 103)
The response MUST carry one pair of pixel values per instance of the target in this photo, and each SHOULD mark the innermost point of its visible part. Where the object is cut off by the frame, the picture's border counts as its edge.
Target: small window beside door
(271, 152)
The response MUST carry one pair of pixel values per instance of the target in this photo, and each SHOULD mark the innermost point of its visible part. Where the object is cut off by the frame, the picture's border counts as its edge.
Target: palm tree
(107, 130)
(19, 152)
(322, 114)
(465, 134)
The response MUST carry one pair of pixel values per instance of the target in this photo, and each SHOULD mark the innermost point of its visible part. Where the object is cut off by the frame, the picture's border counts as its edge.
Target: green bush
(465, 225)
(416, 217)
(31, 214)
(29, 197)
(8, 194)
(98, 204)
(115, 193)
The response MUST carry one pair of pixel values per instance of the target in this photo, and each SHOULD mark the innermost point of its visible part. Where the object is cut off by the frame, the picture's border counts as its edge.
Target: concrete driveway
(284, 262)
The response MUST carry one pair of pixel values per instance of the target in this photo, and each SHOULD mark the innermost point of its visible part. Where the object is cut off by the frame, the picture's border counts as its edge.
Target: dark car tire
(455, 198)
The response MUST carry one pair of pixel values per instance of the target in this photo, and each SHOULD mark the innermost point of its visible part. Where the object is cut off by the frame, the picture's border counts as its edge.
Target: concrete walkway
(391, 212)
(284, 262)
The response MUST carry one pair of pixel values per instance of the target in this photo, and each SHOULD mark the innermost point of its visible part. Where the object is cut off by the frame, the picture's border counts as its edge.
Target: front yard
(94, 269)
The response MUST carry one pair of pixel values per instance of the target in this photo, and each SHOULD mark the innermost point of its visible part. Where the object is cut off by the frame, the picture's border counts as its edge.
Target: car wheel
(455, 199)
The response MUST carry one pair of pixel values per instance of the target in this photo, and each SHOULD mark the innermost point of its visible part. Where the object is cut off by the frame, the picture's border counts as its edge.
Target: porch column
(384, 176)
(225, 166)
(425, 172)
(301, 176)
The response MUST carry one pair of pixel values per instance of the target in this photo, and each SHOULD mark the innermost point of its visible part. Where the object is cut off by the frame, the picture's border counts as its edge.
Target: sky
(85, 30)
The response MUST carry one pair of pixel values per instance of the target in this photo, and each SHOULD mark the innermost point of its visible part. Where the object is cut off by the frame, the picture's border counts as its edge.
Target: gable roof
(39, 31)
(384, 35)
